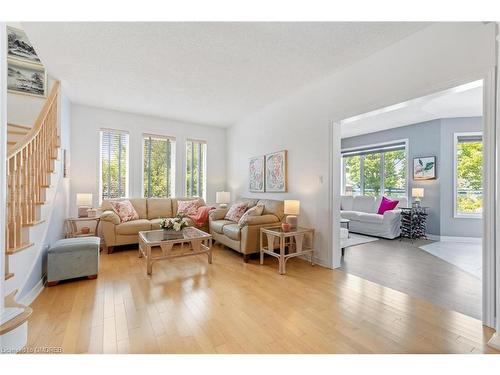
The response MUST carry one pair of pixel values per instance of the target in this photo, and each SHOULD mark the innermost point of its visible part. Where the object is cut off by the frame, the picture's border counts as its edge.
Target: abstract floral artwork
(276, 172)
(424, 168)
(256, 174)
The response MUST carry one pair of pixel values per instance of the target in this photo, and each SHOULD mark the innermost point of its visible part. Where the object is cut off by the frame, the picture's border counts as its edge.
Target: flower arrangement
(177, 223)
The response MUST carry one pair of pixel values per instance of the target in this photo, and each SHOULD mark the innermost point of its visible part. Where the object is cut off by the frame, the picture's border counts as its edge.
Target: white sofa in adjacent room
(364, 219)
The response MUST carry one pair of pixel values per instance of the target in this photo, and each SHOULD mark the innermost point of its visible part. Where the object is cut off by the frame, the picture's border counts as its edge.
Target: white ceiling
(209, 73)
(462, 101)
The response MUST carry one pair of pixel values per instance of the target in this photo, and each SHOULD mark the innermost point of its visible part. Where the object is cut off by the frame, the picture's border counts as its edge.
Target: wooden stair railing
(29, 165)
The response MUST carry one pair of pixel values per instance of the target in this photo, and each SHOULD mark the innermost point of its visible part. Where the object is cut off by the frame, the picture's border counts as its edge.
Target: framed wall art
(19, 46)
(256, 174)
(424, 168)
(29, 79)
(276, 172)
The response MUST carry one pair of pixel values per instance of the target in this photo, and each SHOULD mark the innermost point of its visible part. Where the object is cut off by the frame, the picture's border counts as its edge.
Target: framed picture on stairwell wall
(25, 78)
(19, 46)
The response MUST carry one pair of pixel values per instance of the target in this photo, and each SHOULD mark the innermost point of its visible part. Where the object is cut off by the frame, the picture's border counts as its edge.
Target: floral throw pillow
(254, 211)
(188, 207)
(124, 210)
(236, 211)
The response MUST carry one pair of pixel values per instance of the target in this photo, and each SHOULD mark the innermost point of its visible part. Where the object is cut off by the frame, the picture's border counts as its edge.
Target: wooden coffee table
(199, 243)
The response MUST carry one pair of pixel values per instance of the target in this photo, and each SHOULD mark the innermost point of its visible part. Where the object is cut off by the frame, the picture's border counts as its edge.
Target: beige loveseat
(246, 238)
(150, 211)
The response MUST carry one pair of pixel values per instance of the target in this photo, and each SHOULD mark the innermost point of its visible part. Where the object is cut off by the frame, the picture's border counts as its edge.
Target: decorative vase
(285, 227)
(171, 234)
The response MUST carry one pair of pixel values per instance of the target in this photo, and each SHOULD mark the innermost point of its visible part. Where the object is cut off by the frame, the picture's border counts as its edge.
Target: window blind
(373, 150)
(114, 164)
(469, 138)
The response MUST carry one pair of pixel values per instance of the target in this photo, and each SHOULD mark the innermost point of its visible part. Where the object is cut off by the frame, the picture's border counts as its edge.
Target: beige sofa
(150, 211)
(245, 239)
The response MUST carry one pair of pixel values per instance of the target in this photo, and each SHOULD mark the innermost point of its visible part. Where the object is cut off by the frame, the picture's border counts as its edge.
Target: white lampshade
(417, 192)
(222, 197)
(84, 199)
(292, 207)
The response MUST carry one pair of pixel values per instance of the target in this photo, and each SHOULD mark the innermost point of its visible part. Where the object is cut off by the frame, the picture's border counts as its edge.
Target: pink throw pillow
(188, 207)
(124, 210)
(386, 205)
(236, 211)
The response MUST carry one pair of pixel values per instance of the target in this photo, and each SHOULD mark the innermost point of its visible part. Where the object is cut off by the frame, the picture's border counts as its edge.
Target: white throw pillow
(254, 211)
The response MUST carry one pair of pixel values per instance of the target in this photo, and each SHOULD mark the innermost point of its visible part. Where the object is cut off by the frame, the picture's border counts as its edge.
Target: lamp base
(82, 211)
(223, 205)
(292, 220)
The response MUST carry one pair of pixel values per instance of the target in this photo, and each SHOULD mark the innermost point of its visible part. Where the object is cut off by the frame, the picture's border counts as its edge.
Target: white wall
(24, 109)
(31, 268)
(3, 156)
(84, 167)
(433, 59)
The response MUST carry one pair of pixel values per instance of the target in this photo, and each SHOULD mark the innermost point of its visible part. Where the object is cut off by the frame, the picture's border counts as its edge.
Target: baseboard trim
(433, 237)
(33, 293)
(495, 341)
(477, 240)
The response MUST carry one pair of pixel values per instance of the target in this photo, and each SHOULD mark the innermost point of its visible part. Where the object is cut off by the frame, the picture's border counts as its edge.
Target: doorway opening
(413, 198)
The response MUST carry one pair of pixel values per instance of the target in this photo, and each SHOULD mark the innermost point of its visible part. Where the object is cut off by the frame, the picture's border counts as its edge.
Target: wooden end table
(72, 229)
(294, 243)
(200, 243)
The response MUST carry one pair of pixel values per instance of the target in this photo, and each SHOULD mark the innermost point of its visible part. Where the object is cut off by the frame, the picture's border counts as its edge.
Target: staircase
(31, 155)
(15, 134)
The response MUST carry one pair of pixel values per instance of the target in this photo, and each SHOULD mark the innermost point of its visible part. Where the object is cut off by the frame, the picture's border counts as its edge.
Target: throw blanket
(201, 215)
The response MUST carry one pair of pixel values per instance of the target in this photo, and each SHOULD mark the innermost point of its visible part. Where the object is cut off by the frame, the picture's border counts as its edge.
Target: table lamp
(222, 198)
(292, 209)
(83, 202)
(417, 193)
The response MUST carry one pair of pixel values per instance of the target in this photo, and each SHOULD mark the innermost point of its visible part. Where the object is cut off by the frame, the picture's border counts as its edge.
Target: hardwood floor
(405, 267)
(188, 306)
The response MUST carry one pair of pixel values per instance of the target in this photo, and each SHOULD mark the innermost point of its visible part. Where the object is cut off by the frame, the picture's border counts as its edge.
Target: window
(196, 160)
(352, 175)
(114, 164)
(372, 184)
(375, 171)
(158, 170)
(395, 173)
(468, 175)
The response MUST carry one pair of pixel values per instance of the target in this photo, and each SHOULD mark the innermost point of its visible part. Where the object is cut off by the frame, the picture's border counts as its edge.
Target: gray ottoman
(73, 257)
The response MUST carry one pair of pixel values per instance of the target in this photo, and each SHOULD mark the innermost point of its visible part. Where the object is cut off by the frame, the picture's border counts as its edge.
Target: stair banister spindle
(29, 165)
(19, 197)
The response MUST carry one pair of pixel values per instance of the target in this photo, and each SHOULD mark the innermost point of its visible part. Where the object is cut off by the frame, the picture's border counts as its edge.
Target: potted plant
(172, 227)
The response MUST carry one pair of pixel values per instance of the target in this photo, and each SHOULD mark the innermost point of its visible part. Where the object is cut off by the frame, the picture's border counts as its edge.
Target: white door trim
(3, 157)
(334, 175)
(490, 217)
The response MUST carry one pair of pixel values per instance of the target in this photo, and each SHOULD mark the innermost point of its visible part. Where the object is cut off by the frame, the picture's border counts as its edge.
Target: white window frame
(173, 159)
(456, 136)
(382, 176)
(204, 166)
(127, 163)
